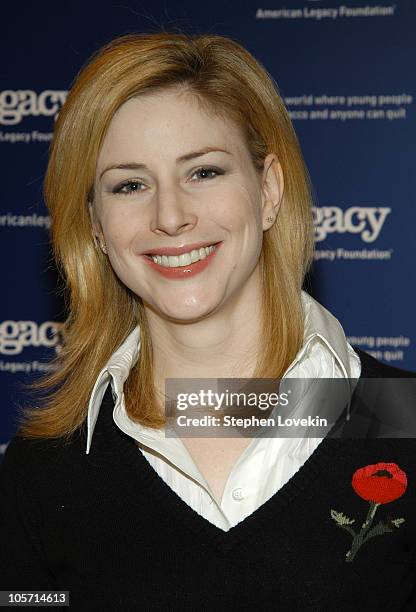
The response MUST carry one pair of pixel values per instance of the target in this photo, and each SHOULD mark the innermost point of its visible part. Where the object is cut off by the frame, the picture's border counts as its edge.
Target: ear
(272, 190)
(97, 232)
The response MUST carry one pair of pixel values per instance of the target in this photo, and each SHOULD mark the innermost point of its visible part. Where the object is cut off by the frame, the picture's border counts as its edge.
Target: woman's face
(168, 176)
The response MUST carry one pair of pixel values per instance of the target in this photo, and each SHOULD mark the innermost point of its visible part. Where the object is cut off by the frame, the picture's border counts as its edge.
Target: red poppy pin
(378, 484)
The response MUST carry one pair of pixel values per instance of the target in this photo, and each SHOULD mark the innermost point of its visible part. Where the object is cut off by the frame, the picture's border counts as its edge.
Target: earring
(270, 219)
(103, 247)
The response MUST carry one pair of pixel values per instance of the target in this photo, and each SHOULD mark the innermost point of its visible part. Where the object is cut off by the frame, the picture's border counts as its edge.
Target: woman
(181, 213)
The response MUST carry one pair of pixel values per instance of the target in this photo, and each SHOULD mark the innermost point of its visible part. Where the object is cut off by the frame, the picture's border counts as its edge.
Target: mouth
(170, 258)
(187, 265)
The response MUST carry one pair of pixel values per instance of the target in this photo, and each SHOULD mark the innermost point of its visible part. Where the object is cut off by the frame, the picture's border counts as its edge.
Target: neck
(223, 344)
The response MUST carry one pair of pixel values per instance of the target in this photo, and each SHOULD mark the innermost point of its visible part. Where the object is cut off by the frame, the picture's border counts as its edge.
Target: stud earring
(99, 244)
(270, 219)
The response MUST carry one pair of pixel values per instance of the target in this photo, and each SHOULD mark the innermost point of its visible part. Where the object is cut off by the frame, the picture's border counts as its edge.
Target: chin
(187, 315)
(185, 312)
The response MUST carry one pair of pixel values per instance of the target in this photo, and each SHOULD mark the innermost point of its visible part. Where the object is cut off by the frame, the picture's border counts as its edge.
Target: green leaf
(377, 530)
(341, 519)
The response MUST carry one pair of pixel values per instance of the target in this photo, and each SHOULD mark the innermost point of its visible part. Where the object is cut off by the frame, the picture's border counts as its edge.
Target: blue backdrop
(346, 73)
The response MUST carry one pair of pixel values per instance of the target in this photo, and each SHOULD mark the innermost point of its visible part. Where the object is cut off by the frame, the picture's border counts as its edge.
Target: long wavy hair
(228, 80)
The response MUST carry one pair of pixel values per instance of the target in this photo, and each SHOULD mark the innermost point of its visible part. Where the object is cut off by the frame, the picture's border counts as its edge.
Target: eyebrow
(179, 160)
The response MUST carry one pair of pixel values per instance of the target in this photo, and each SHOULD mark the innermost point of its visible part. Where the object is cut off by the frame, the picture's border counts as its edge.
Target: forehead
(169, 122)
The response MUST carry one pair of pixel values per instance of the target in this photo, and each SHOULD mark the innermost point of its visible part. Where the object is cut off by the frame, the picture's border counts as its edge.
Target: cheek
(237, 207)
(119, 228)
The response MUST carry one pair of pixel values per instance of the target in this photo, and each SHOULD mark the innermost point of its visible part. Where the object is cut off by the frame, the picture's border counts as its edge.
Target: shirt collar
(115, 372)
(318, 323)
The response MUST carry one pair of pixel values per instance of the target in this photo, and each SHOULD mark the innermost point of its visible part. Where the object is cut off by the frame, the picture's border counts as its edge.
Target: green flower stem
(359, 538)
(370, 514)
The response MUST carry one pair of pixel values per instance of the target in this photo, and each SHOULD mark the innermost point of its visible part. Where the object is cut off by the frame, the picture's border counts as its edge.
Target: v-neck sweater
(107, 528)
(268, 462)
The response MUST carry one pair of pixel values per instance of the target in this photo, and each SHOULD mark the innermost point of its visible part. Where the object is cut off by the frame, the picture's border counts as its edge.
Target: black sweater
(107, 528)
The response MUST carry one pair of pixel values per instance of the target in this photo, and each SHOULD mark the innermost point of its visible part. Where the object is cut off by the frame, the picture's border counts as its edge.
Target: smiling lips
(186, 261)
(180, 250)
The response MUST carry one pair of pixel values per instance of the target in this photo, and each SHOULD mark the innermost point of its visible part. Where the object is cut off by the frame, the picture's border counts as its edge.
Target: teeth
(194, 256)
(177, 261)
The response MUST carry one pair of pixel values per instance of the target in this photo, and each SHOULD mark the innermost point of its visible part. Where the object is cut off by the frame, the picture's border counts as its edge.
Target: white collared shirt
(266, 463)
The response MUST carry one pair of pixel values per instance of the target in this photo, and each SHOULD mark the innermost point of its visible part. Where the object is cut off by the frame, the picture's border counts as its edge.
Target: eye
(206, 173)
(128, 187)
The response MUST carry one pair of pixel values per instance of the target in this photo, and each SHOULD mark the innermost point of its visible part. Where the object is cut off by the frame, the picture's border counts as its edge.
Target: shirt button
(237, 494)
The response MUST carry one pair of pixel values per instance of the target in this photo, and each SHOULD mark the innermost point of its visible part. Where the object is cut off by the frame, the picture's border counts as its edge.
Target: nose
(172, 212)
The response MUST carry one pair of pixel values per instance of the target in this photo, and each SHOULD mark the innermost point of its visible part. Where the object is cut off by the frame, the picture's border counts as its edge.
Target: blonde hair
(229, 81)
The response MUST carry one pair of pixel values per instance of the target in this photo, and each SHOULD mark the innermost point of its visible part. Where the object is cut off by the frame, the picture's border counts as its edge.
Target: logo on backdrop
(17, 104)
(17, 335)
(364, 221)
